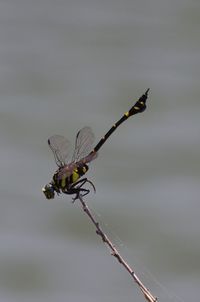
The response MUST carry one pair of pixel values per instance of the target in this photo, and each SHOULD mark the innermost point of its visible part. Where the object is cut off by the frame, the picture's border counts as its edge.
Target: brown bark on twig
(114, 252)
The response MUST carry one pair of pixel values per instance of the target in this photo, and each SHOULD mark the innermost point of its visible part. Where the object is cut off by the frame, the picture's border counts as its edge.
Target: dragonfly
(68, 177)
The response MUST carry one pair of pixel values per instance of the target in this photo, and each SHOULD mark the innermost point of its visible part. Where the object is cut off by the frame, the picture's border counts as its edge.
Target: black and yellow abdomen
(66, 179)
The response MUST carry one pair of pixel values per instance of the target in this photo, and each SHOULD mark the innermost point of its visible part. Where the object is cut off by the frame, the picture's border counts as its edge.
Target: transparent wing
(83, 144)
(60, 147)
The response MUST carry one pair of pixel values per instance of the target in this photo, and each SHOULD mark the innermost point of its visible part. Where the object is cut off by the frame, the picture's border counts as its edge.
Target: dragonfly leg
(77, 188)
(80, 192)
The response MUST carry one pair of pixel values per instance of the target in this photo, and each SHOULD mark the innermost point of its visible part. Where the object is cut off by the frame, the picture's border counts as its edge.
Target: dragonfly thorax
(66, 176)
(63, 180)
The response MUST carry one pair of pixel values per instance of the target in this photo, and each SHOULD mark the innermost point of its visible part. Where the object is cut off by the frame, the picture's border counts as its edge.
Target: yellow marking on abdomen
(127, 113)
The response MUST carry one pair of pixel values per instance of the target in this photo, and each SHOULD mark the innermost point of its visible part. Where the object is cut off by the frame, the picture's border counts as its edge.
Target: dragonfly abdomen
(66, 179)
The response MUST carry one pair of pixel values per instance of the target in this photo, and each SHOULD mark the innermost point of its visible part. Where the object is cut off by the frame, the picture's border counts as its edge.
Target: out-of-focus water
(67, 64)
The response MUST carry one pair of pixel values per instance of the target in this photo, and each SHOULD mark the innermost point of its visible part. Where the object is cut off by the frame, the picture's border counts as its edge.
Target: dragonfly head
(48, 191)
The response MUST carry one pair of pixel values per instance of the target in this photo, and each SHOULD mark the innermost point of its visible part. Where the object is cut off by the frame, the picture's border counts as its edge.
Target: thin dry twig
(114, 252)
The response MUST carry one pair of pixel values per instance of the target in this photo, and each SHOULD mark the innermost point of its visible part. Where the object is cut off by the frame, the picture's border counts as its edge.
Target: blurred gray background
(67, 64)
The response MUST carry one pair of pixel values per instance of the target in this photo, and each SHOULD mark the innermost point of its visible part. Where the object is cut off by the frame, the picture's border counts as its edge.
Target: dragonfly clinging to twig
(68, 178)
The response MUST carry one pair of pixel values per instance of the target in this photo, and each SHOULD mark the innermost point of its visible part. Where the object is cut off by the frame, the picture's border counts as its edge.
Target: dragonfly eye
(48, 191)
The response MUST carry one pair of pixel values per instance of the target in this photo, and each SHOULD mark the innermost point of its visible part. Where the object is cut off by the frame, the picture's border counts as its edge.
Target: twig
(114, 252)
